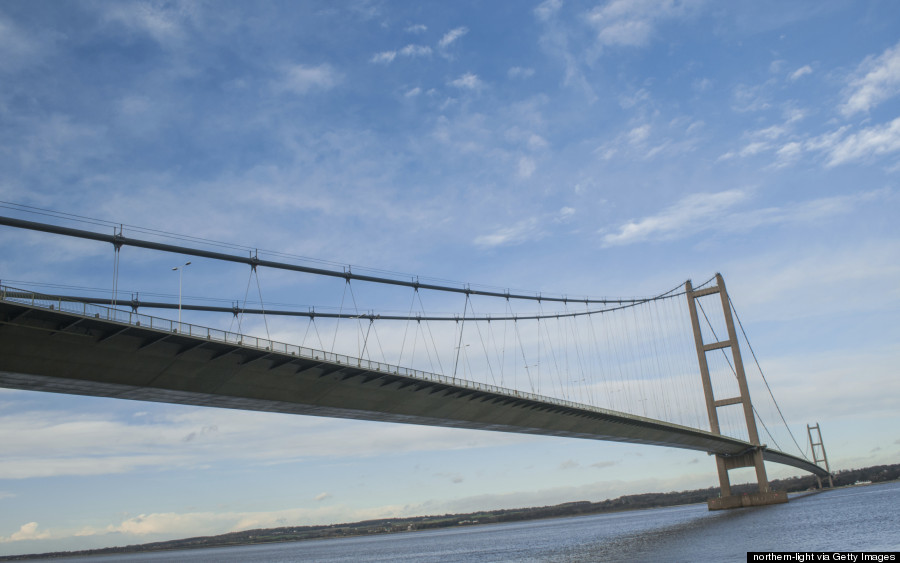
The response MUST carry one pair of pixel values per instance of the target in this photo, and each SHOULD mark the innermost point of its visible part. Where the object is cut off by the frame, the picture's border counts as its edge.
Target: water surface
(850, 519)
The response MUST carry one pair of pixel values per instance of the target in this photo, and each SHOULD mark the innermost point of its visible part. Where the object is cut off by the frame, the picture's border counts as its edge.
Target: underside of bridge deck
(44, 349)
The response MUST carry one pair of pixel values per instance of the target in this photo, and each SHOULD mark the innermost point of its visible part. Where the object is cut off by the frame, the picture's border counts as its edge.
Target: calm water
(853, 519)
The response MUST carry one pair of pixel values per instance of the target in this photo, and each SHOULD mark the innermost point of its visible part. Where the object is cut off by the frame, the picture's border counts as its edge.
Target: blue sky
(583, 148)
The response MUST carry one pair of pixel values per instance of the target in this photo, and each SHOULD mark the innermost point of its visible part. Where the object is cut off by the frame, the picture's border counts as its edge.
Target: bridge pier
(754, 456)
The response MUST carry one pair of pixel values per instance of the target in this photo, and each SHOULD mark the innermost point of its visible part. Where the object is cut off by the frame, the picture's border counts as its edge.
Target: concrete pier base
(749, 499)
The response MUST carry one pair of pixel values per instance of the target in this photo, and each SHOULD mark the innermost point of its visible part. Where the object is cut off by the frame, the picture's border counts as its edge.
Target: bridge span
(78, 348)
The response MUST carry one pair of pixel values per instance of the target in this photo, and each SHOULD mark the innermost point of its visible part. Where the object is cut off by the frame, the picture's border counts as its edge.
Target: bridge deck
(83, 349)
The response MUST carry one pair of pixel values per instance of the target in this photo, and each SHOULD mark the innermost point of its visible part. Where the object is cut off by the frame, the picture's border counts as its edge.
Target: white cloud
(633, 22)
(532, 140)
(753, 148)
(451, 36)
(536, 142)
(17, 48)
(415, 50)
(468, 81)
(800, 72)
(523, 231)
(411, 50)
(789, 152)
(164, 22)
(26, 532)
(769, 133)
(565, 214)
(639, 134)
(300, 79)
(702, 84)
(838, 146)
(750, 98)
(384, 57)
(520, 72)
(686, 216)
(874, 141)
(417, 28)
(547, 9)
(526, 167)
(322, 496)
(703, 212)
(646, 141)
(877, 79)
(794, 115)
(762, 140)
(413, 92)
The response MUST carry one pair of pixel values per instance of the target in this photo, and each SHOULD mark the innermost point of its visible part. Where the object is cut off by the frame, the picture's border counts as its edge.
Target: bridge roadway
(84, 349)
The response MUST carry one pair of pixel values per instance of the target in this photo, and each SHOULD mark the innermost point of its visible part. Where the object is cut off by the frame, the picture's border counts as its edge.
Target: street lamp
(180, 271)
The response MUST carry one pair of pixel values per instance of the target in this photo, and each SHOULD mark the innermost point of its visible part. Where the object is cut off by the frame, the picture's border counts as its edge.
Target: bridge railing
(132, 318)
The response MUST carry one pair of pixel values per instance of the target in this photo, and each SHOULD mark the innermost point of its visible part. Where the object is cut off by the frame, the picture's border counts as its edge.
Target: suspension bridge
(664, 370)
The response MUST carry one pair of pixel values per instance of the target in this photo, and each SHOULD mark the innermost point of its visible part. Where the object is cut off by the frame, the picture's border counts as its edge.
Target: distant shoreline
(852, 477)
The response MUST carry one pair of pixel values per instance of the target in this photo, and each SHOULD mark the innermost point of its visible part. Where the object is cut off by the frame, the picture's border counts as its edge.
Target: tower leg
(753, 457)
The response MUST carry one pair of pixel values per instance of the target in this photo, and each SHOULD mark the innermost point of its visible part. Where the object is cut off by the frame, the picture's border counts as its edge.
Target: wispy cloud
(523, 231)
(685, 217)
(876, 80)
(300, 79)
(873, 141)
(639, 134)
(164, 22)
(526, 167)
(838, 146)
(716, 212)
(646, 141)
(800, 72)
(520, 72)
(633, 22)
(451, 36)
(410, 51)
(417, 28)
(415, 51)
(468, 81)
(18, 48)
(384, 57)
(751, 98)
(547, 9)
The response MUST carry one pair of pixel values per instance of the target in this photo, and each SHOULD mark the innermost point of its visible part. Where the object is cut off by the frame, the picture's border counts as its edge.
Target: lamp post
(180, 272)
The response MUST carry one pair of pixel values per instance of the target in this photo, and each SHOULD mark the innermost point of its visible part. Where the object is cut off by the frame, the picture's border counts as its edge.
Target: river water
(851, 519)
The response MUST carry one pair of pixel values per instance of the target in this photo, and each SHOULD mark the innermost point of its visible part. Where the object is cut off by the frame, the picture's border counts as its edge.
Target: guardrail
(128, 317)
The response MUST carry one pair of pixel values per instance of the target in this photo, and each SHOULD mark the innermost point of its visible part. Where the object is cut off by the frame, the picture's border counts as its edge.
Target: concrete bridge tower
(753, 457)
